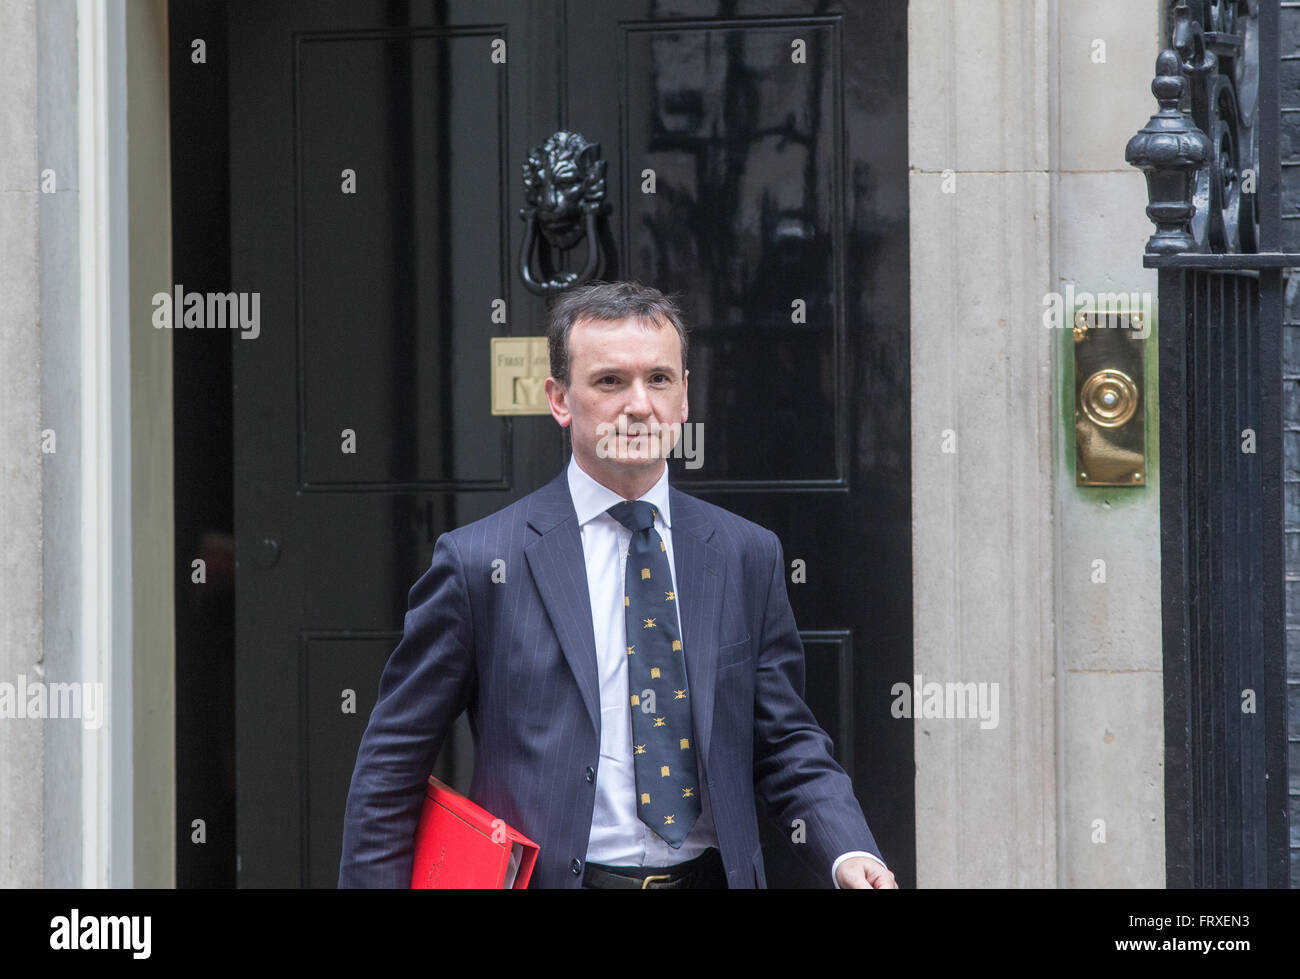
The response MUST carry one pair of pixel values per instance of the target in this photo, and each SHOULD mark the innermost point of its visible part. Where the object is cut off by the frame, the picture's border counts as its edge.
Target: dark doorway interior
(202, 397)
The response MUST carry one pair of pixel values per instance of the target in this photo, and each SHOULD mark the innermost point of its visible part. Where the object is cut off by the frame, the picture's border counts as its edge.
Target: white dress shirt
(618, 836)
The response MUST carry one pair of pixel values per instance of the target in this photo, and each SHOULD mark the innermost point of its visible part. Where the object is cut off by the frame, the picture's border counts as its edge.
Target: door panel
(362, 429)
(744, 218)
(777, 141)
(414, 246)
(329, 665)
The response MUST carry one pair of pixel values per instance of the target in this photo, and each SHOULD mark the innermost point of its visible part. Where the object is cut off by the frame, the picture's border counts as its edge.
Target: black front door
(756, 165)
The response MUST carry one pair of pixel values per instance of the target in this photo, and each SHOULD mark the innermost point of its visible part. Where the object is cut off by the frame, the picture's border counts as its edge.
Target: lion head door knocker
(564, 185)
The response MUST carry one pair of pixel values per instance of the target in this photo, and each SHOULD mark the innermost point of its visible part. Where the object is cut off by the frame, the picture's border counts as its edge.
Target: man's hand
(864, 872)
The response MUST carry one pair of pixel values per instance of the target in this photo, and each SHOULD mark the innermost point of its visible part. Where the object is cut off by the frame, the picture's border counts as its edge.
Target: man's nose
(638, 400)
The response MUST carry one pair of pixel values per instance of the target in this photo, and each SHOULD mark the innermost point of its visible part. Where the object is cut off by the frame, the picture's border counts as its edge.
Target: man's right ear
(557, 397)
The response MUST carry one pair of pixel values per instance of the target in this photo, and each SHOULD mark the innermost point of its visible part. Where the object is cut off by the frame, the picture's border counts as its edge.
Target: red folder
(460, 844)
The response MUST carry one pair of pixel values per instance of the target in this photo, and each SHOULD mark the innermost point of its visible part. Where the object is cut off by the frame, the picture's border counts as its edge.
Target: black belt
(704, 871)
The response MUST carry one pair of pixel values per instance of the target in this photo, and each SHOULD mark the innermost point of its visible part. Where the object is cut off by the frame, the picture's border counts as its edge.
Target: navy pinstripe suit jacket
(521, 656)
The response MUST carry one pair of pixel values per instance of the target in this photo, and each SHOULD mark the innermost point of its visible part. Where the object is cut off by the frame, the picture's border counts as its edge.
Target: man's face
(626, 397)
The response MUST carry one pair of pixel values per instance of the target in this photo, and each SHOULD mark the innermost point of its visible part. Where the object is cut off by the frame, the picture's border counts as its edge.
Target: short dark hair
(607, 301)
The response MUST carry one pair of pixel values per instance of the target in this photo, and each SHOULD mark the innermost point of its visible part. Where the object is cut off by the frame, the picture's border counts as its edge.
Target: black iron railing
(1211, 159)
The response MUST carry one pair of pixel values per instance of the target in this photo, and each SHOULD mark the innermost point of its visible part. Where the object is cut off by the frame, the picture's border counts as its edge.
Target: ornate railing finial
(1169, 150)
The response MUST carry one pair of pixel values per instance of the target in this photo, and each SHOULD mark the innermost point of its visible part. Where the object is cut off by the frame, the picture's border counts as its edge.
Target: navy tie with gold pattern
(663, 752)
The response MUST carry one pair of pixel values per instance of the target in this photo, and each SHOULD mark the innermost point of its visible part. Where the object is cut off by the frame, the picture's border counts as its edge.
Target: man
(627, 654)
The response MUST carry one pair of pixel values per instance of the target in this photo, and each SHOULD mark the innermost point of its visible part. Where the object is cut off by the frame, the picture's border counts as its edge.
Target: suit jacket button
(591, 774)
(576, 867)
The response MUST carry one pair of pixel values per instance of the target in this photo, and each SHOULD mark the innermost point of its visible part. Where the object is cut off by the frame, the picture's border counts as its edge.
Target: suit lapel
(697, 564)
(560, 572)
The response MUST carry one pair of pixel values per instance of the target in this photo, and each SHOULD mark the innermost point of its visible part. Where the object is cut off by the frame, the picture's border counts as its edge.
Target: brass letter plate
(520, 367)
(1109, 399)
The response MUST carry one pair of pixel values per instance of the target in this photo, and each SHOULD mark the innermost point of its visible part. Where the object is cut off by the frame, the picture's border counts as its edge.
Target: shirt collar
(591, 499)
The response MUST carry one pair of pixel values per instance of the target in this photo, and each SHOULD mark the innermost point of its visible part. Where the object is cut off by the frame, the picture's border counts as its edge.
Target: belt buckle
(645, 881)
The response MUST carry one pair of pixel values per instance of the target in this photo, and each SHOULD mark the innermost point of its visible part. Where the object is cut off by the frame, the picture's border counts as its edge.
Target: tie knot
(635, 515)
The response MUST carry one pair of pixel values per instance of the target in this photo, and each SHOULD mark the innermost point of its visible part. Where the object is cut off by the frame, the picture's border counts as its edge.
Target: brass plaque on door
(1110, 399)
(520, 367)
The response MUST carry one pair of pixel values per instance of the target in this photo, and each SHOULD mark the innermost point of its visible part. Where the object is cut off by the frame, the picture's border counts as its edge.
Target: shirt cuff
(852, 853)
